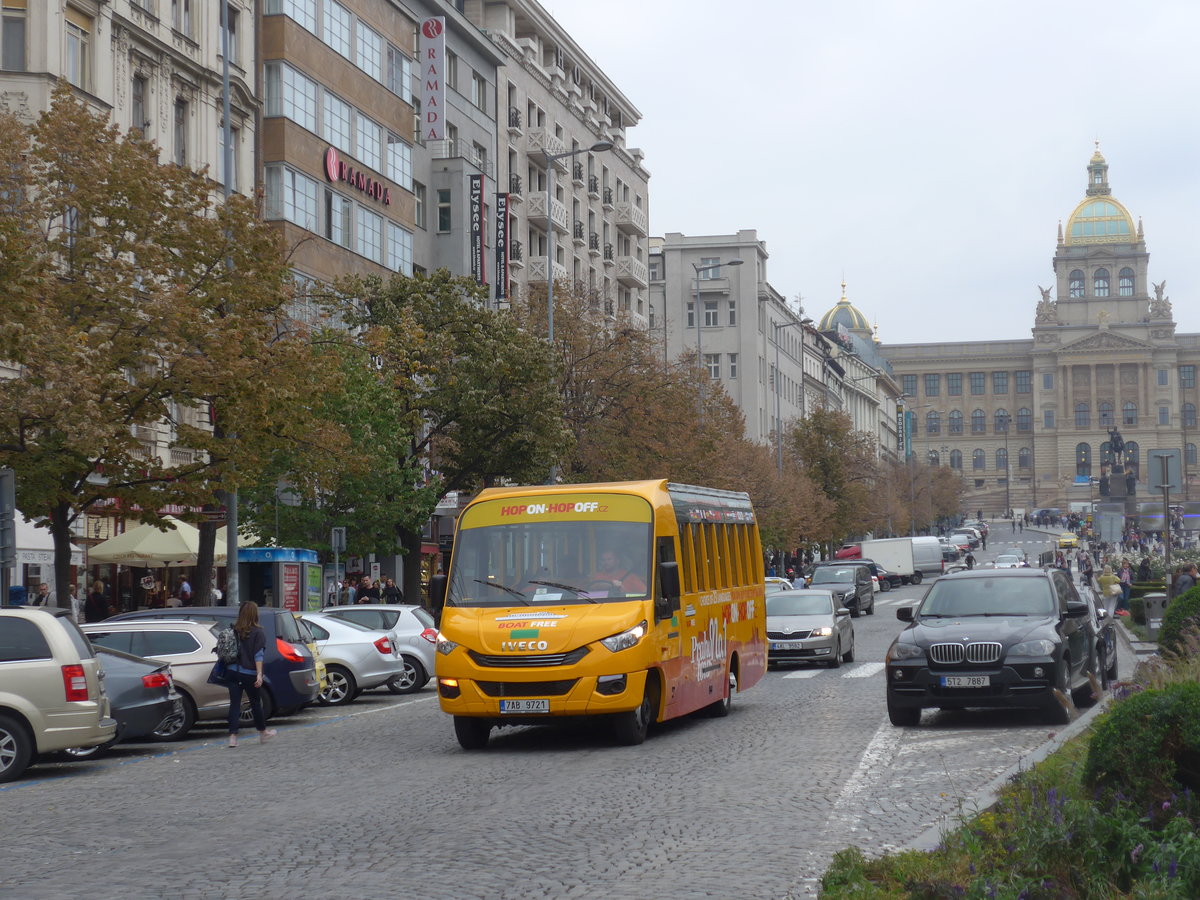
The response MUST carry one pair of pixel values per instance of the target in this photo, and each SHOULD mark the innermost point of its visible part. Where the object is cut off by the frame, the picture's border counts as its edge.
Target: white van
(927, 556)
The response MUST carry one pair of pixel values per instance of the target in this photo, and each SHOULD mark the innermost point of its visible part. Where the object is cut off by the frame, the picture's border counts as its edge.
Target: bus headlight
(445, 646)
(625, 639)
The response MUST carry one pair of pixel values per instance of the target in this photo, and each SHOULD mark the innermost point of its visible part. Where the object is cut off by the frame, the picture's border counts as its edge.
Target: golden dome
(845, 314)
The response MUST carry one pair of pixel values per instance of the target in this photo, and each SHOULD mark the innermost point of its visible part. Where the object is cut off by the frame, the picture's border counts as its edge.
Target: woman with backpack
(246, 672)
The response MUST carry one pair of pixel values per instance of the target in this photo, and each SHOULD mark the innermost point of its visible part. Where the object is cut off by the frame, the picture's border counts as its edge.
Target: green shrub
(1147, 749)
(1137, 609)
(1183, 611)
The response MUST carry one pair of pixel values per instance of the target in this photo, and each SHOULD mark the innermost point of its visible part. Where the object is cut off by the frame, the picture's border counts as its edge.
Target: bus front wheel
(472, 733)
(630, 727)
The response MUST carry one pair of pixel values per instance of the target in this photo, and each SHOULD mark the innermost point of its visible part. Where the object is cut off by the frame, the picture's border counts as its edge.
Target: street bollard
(1156, 607)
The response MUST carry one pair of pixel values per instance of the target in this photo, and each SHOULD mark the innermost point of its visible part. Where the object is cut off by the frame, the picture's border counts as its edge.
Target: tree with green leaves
(135, 308)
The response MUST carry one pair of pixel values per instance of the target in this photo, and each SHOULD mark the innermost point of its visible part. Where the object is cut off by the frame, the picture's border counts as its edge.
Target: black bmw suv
(993, 638)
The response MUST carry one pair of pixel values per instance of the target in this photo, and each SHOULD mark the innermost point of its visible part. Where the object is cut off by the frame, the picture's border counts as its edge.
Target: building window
(1024, 419)
(220, 169)
(1191, 454)
(1075, 283)
(1132, 452)
(908, 384)
(12, 35)
(978, 383)
(709, 268)
(1187, 376)
(1002, 459)
(933, 385)
(954, 384)
(732, 313)
(1083, 459)
(399, 73)
(337, 218)
(419, 204)
(181, 16)
(399, 249)
(711, 319)
(1048, 381)
(181, 132)
(369, 55)
(292, 94)
(303, 11)
(956, 421)
(479, 91)
(1083, 415)
(336, 127)
(1125, 283)
(999, 382)
(79, 57)
(1164, 415)
(691, 314)
(712, 362)
(452, 70)
(1047, 418)
(370, 234)
(443, 211)
(1129, 414)
(369, 143)
(1024, 458)
(934, 458)
(338, 26)
(978, 460)
(733, 363)
(139, 121)
(399, 161)
(956, 459)
(933, 423)
(1000, 421)
(978, 422)
(1189, 415)
(1163, 377)
(291, 196)
(234, 53)
(1100, 283)
(1105, 410)
(1023, 379)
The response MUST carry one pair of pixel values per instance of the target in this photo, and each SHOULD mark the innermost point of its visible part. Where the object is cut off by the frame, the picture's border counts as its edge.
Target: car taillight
(383, 645)
(430, 634)
(75, 683)
(156, 680)
(287, 651)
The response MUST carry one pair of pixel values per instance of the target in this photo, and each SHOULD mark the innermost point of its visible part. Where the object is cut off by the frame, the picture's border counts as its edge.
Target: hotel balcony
(537, 271)
(535, 210)
(631, 271)
(543, 140)
(631, 219)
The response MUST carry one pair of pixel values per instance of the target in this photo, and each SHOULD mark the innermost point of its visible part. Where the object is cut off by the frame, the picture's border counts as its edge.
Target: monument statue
(1116, 444)
(1159, 288)
(1046, 292)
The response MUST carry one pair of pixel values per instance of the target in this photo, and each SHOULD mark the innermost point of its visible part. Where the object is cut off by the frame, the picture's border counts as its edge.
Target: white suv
(51, 688)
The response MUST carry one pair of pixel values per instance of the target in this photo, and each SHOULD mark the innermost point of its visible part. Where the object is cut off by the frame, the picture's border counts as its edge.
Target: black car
(1103, 631)
(993, 638)
(289, 671)
(850, 582)
(141, 693)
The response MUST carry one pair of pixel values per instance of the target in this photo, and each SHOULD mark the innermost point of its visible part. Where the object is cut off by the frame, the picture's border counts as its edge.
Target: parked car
(950, 552)
(188, 647)
(887, 580)
(51, 693)
(970, 535)
(850, 582)
(992, 638)
(289, 674)
(774, 584)
(357, 658)
(808, 626)
(412, 631)
(141, 693)
(1103, 630)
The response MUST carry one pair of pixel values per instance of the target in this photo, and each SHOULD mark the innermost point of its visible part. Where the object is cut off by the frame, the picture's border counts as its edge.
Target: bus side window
(687, 563)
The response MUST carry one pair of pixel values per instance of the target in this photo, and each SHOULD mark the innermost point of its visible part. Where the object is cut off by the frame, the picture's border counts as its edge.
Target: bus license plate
(524, 707)
(965, 681)
(788, 645)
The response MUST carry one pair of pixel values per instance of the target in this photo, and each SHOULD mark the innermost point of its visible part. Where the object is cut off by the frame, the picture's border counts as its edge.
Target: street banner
(501, 246)
(433, 78)
(477, 228)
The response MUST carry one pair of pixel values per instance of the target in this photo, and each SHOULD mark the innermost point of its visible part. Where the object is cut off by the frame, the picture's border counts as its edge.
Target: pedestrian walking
(1126, 579)
(1143, 572)
(1110, 586)
(246, 675)
(392, 593)
(95, 609)
(969, 559)
(1185, 580)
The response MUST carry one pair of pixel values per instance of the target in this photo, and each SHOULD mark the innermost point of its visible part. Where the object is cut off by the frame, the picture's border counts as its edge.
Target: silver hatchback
(412, 631)
(808, 626)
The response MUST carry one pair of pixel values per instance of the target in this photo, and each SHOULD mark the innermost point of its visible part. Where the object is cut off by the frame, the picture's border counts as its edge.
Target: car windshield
(564, 549)
(1007, 560)
(990, 596)
(794, 604)
(833, 575)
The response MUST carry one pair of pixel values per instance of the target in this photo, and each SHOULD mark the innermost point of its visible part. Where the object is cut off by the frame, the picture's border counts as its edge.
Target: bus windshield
(582, 550)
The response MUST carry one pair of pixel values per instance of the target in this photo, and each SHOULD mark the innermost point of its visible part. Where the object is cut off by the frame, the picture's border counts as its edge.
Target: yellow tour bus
(639, 601)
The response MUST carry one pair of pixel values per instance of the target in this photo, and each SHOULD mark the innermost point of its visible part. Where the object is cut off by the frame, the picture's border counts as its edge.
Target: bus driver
(613, 571)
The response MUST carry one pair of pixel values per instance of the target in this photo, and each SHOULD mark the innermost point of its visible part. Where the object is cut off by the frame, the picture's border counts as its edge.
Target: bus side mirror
(668, 579)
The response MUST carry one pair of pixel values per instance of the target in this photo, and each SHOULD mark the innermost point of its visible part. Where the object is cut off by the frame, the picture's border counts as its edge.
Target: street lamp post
(699, 349)
(551, 159)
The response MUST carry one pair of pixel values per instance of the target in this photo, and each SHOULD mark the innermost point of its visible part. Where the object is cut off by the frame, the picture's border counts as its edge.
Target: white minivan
(927, 556)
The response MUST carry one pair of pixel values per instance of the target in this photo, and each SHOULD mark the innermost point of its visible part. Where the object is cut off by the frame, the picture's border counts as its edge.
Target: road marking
(866, 670)
(803, 673)
(876, 758)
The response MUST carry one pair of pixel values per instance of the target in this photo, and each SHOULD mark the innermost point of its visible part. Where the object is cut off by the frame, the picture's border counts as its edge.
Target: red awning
(428, 549)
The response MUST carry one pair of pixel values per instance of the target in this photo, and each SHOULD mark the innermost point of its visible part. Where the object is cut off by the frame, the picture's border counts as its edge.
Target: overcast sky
(925, 149)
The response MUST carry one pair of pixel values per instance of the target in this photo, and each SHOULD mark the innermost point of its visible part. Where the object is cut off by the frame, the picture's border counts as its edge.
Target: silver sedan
(356, 658)
(808, 626)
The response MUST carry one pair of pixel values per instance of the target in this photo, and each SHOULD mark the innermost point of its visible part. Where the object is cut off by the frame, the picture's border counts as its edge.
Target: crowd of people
(379, 590)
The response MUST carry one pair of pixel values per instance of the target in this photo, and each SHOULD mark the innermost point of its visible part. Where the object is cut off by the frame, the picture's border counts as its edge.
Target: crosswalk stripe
(803, 673)
(866, 670)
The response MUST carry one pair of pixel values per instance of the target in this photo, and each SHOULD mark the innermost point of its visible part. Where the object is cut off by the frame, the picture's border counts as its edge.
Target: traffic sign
(1164, 469)
(337, 539)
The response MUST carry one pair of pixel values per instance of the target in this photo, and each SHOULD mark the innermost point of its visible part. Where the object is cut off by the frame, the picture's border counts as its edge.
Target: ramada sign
(336, 170)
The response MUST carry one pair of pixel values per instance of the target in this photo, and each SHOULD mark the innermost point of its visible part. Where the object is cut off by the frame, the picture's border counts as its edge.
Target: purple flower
(1135, 853)
(1166, 805)
(1171, 869)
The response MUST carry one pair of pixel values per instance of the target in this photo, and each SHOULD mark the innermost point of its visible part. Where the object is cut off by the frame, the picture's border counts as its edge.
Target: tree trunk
(60, 530)
(410, 542)
(202, 583)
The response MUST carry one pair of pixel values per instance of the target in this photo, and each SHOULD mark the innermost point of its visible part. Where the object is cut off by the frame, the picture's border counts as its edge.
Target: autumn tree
(134, 304)
(841, 462)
